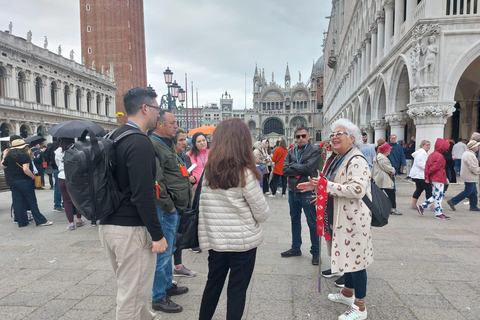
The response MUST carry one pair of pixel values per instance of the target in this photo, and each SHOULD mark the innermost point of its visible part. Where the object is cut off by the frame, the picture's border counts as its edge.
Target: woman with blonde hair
(232, 206)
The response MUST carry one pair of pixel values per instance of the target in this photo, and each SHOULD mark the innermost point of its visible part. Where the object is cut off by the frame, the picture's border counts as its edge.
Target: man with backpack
(132, 234)
(173, 193)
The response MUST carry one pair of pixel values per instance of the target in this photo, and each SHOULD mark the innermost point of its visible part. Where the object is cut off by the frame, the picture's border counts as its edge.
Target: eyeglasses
(338, 134)
(303, 136)
(155, 107)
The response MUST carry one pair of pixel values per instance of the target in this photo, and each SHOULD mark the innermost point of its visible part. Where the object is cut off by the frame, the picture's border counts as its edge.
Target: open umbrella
(204, 130)
(74, 128)
(33, 140)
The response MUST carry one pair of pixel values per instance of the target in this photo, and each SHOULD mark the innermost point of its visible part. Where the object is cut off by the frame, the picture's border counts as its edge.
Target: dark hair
(364, 134)
(195, 152)
(15, 153)
(301, 127)
(161, 115)
(228, 162)
(65, 142)
(136, 97)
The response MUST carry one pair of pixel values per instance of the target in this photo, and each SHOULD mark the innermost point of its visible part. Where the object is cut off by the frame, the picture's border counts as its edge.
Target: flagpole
(193, 109)
(186, 100)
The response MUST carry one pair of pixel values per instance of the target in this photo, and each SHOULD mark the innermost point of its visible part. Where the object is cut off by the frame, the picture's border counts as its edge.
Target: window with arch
(98, 104)
(53, 93)
(78, 94)
(107, 105)
(66, 95)
(23, 131)
(21, 85)
(3, 75)
(273, 125)
(88, 7)
(89, 50)
(38, 88)
(89, 100)
(89, 29)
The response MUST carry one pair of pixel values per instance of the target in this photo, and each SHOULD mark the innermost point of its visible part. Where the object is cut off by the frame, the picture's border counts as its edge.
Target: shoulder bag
(187, 234)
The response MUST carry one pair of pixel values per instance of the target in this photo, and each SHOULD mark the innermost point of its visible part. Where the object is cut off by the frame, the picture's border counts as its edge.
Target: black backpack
(89, 166)
(380, 205)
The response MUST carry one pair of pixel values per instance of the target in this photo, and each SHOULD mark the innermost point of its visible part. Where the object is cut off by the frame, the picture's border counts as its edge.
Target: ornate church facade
(404, 67)
(278, 110)
(40, 88)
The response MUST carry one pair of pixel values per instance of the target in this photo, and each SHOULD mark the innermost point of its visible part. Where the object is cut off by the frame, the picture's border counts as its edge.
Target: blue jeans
(469, 192)
(358, 281)
(57, 196)
(458, 165)
(23, 194)
(164, 269)
(297, 202)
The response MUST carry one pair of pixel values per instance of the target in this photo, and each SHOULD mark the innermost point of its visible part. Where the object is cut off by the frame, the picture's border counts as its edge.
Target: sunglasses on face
(303, 136)
(338, 134)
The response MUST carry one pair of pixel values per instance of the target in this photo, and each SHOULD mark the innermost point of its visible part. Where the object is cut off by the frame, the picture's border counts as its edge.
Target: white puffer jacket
(418, 169)
(229, 220)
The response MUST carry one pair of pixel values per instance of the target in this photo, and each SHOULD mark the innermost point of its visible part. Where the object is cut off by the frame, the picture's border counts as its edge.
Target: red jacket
(435, 165)
(279, 158)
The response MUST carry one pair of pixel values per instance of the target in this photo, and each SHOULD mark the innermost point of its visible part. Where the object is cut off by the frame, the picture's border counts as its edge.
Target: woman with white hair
(346, 180)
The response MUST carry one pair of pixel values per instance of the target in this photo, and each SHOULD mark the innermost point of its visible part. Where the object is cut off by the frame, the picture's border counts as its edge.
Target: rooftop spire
(287, 73)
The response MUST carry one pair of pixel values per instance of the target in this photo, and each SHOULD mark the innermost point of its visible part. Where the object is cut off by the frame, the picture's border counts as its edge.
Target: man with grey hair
(397, 155)
(301, 162)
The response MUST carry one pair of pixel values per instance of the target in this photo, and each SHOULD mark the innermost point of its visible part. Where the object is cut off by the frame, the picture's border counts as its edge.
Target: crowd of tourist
(326, 182)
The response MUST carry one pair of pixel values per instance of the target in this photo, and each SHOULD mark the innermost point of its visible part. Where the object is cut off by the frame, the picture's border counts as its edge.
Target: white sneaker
(271, 196)
(283, 196)
(339, 297)
(353, 313)
(267, 193)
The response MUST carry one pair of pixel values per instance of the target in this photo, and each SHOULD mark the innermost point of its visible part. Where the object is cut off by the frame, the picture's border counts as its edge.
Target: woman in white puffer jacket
(417, 173)
(232, 206)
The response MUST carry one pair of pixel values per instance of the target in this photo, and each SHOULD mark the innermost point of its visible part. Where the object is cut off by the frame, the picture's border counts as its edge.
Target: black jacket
(308, 159)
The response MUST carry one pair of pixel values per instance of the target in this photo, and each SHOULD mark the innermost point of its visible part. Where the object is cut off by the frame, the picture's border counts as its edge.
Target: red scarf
(322, 199)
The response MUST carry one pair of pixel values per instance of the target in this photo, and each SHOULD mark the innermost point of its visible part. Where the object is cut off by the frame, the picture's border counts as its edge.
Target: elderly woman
(417, 173)
(384, 174)
(347, 180)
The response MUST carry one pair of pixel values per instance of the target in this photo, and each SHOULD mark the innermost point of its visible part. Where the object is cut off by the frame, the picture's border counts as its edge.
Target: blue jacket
(397, 157)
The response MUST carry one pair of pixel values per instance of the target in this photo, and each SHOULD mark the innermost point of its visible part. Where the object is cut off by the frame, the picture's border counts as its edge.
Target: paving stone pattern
(424, 269)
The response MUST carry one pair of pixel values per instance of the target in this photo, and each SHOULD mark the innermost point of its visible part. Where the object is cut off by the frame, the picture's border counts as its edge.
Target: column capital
(389, 4)
(368, 37)
(396, 119)
(373, 28)
(380, 17)
(379, 124)
(429, 113)
(366, 128)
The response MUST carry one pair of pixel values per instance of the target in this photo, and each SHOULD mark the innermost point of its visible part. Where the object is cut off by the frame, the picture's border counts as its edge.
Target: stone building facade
(277, 109)
(39, 88)
(407, 67)
(113, 32)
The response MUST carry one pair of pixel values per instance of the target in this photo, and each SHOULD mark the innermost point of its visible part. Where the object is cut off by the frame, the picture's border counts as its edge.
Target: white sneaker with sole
(353, 313)
(339, 297)
(271, 196)
(183, 272)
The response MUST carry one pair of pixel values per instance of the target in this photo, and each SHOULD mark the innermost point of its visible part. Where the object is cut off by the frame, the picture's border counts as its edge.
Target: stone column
(381, 36)
(373, 54)
(364, 60)
(399, 9)
(411, 5)
(72, 101)
(430, 118)
(379, 126)
(397, 123)
(389, 5)
(368, 53)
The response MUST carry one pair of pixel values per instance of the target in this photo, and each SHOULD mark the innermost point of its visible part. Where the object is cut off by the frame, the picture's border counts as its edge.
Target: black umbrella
(74, 129)
(33, 140)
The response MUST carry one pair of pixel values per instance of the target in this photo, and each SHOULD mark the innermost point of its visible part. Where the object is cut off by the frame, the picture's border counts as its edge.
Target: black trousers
(391, 196)
(241, 266)
(421, 185)
(274, 183)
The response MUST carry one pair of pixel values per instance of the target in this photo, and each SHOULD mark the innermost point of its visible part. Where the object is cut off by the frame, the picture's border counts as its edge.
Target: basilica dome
(318, 68)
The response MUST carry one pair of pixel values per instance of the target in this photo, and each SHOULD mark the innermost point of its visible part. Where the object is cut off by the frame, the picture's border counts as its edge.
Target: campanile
(113, 41)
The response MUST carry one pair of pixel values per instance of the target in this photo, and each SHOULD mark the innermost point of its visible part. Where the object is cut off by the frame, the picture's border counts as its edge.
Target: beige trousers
(129, 250)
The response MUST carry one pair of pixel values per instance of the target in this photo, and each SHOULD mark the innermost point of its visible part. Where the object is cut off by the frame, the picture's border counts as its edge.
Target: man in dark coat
(397, 155)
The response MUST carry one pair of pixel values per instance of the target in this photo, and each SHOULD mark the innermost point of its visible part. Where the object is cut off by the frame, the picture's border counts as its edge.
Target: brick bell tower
(113, 41)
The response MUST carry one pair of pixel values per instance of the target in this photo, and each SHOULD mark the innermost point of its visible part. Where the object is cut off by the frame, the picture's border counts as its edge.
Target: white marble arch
(457, 70)
(270, 91)
(380, 97)
(356, 113)
(366, 106)
(400, 85)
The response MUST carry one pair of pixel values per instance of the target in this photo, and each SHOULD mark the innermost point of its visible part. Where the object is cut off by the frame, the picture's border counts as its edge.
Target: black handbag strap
(365, 199)
(196, 197)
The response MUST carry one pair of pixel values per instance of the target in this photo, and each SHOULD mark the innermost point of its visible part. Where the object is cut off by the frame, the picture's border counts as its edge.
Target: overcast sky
(215, 42)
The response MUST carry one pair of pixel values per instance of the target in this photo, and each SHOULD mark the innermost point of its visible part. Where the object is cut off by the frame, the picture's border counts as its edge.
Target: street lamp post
(174, 93)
